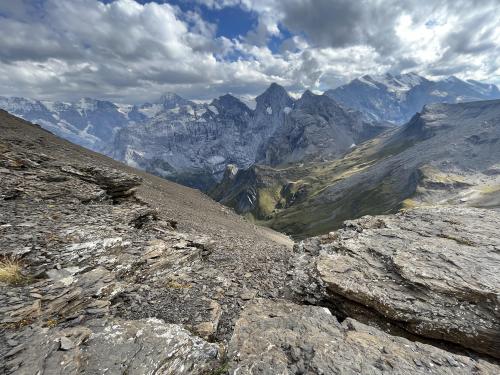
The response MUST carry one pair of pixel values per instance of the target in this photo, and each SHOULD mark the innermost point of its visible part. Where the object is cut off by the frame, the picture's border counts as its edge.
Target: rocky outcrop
(100, 271)
(431, 271)
(316, 129)
(278, 337)
(111, 346)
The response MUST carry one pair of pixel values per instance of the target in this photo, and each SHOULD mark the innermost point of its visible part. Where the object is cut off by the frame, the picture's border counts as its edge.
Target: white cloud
(128, 51)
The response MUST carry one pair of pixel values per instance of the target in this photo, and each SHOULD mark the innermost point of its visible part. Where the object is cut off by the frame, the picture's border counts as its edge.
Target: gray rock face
(431, 271)
(397, 98)
(317, 128)
(147, 346)
(193, 144)
(277, 337)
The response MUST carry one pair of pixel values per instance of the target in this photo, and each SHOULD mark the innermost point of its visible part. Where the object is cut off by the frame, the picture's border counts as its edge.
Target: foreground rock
(105, 271)
(432, 271)
(113, 347)
(284, 338)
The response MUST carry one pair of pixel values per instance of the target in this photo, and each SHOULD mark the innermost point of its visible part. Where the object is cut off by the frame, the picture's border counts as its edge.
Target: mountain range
(447, 154)
(396, 98)
(193, 143)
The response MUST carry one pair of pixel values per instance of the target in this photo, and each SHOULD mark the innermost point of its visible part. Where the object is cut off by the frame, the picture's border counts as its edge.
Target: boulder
(432, 271)
(280, 337)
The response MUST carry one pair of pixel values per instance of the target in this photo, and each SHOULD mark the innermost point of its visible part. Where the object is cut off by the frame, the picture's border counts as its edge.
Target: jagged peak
(229, 101)
(171, 100)
(274, 90)
(275, 97)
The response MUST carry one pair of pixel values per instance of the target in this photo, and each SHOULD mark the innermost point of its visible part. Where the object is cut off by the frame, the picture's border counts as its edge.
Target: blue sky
(135, 50)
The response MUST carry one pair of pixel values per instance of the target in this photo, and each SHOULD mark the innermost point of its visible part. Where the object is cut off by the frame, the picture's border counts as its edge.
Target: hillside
(448, 154)
(106, 269)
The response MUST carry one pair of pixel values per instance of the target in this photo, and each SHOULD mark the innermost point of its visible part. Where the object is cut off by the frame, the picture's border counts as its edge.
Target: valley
(448, 154)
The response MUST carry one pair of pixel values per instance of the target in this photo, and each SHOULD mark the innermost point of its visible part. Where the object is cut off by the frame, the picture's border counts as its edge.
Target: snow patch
(441, 94)
(287, 110)
(269, 110)
(216, 159)
(213, 109)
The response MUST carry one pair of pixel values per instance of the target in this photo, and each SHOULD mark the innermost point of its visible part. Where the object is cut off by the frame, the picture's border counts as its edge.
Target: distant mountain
(193, 143)
(87, 122)
(317, 128)
(396, 98)
(447, 154)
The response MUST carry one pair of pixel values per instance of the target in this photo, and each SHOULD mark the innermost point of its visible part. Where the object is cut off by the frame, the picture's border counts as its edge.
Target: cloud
(132, 52)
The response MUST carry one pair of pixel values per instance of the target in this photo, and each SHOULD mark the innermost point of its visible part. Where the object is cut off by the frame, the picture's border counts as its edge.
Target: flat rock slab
(278, 337)
(433, 271)
(147, 346)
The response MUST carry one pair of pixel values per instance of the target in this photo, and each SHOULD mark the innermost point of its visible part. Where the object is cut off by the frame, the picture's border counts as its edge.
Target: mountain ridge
(447, 154)
(395, 98)
(192, 143)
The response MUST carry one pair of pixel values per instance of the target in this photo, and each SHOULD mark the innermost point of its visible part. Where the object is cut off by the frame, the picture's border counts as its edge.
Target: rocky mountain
(396, 98)
(447, 154)
(107, 269)
(317, 128)
(87, 122)
(193, 143)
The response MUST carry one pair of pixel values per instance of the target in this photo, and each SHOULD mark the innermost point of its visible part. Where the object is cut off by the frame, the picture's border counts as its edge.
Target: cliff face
(193, 144)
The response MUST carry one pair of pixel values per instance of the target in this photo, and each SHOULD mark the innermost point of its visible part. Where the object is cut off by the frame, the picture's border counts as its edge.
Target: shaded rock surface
(278, 337)
(431, 271)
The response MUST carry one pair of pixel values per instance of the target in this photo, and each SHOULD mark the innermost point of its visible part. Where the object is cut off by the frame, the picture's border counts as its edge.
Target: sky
(132, 51)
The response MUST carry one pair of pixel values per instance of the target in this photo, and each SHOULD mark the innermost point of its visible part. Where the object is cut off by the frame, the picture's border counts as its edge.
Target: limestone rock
(278, 337)
(115, 347)
(432, 271)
